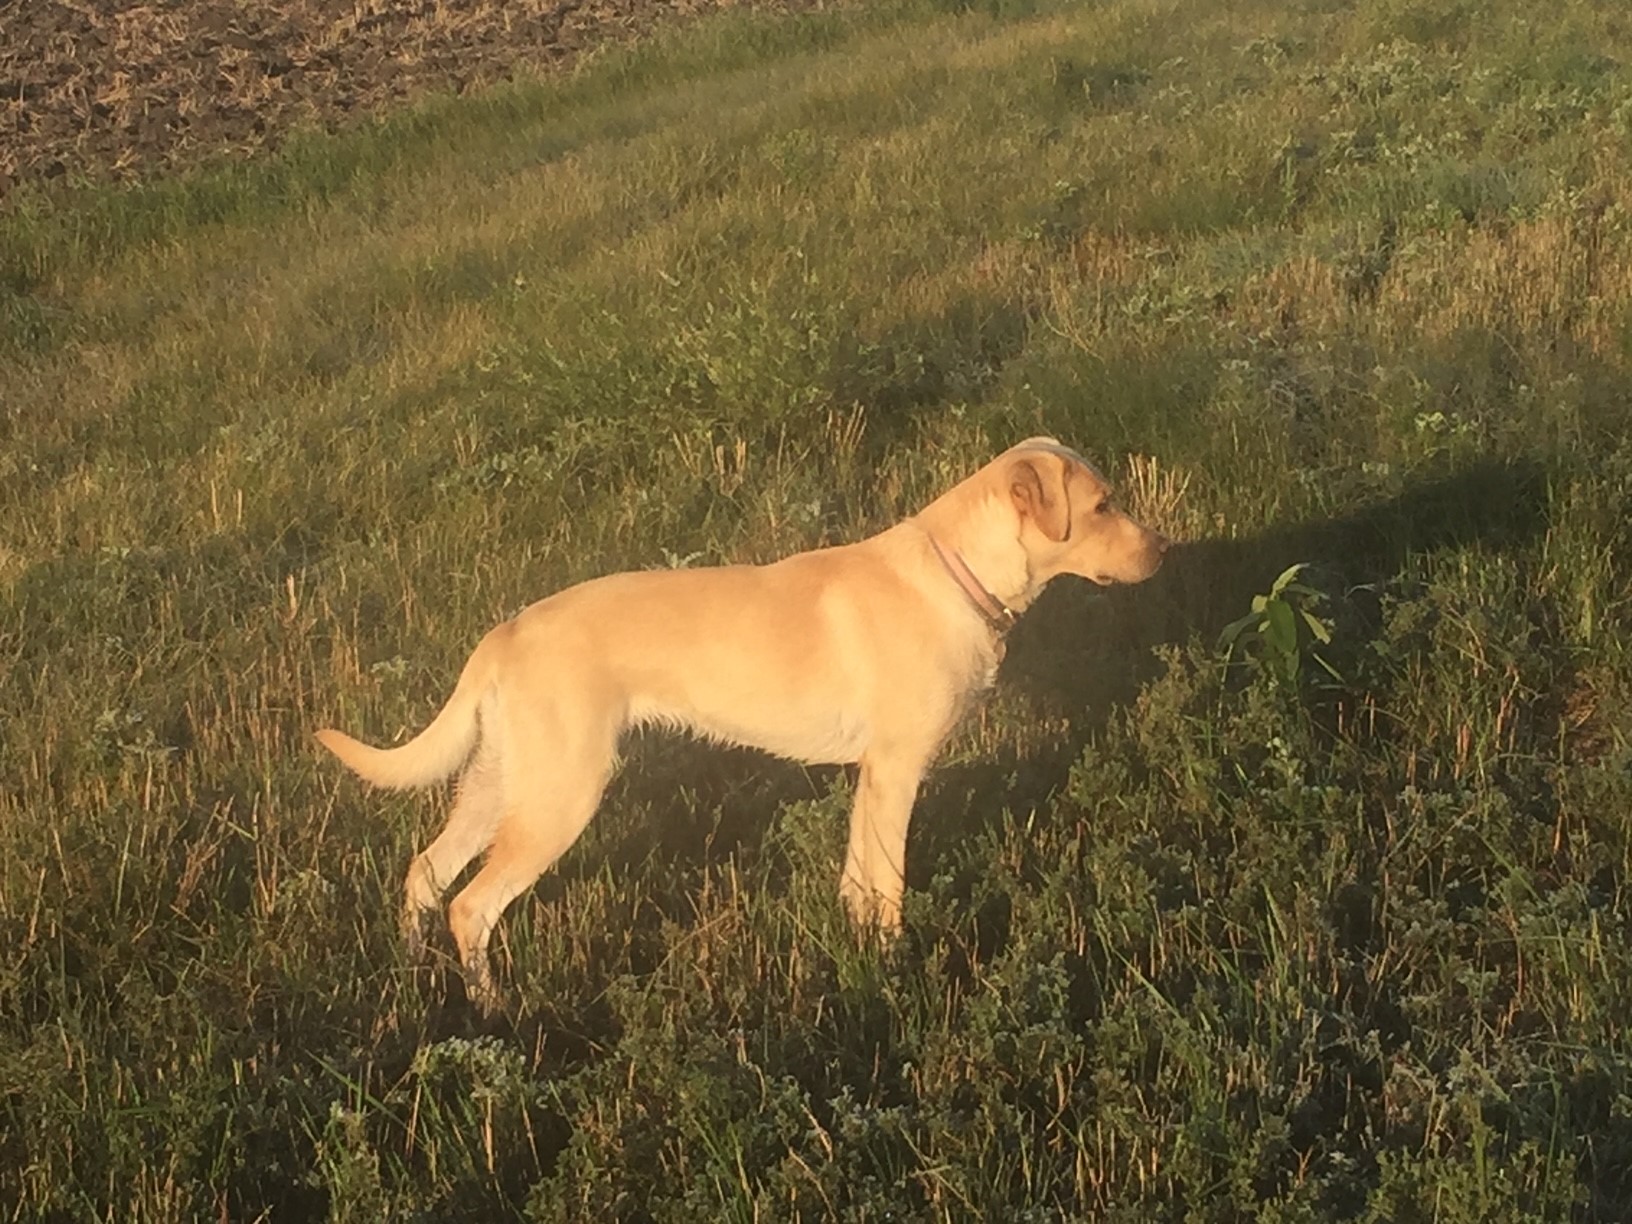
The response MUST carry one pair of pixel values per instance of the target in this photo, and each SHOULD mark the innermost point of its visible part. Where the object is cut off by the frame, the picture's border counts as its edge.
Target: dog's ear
(1039, 491)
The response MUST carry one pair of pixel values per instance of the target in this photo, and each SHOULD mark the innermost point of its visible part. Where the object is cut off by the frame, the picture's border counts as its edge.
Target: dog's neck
(997, 581)
(999, 616)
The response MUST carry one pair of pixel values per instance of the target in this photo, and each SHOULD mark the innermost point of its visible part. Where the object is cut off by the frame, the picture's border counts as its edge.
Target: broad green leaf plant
(1285, 624)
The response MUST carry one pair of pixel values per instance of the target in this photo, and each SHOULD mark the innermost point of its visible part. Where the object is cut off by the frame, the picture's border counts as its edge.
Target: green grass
(1187, 939)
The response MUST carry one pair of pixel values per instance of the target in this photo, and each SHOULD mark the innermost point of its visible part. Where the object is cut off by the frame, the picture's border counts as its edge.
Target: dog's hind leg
(553, 781)
(478, 803)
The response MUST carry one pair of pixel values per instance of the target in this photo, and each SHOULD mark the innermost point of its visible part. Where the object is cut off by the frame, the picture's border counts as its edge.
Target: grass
(1189, 938)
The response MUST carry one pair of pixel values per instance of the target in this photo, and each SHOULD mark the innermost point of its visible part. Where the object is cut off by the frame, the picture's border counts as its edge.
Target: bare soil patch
(106, 89)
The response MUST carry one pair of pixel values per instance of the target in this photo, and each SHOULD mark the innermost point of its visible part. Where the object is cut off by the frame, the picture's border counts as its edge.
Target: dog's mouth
(1106, 578)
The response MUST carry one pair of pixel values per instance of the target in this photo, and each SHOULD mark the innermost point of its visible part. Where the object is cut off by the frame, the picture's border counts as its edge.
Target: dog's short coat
(865, 653)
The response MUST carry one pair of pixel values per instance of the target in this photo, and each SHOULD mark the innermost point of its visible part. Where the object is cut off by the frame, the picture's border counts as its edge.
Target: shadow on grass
(1493, 505)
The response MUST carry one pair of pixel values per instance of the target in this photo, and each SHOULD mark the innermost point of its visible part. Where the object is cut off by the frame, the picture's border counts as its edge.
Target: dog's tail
(435, 752)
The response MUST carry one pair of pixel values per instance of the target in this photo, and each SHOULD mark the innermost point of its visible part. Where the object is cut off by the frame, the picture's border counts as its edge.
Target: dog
(864, 653)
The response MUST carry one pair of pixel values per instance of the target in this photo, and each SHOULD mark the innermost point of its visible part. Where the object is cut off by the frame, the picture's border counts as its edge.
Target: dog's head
(1069, 520)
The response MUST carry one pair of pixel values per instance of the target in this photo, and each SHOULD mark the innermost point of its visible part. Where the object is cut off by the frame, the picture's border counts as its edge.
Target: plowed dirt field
(103, 89)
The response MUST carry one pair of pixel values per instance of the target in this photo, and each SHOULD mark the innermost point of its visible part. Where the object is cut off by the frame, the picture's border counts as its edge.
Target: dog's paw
(482, 991)
(413, 934)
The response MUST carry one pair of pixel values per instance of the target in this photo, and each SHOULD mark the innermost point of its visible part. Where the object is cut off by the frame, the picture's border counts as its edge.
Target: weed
(1284, 626)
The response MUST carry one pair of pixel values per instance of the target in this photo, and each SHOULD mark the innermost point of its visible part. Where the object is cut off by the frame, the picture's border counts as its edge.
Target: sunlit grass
(280, 441)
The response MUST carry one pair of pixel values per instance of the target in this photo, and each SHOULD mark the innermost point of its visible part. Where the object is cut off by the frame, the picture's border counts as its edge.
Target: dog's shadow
(1082, 653)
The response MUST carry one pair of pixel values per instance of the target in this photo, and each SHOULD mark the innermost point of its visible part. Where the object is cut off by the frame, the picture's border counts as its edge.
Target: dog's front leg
(875, 862)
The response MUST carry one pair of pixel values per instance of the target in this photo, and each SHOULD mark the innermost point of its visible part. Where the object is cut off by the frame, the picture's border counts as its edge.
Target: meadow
(1246, 895)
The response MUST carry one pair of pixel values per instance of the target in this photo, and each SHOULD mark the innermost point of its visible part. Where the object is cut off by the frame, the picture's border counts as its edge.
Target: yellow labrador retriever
(864, 653)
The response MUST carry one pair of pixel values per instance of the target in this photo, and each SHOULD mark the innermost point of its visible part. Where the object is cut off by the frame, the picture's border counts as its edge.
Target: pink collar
(998, 615)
